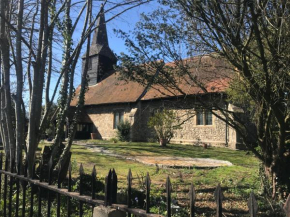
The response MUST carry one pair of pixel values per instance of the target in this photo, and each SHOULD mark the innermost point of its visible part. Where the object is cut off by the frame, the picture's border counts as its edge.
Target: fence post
(287, 206)
(108, 188)
(11, 188)
(110, 197)
(218, 198)
(39, 189)
(129, 189)
(168, 195)
(58, 194)
(24, 185)
(69, 190)
(32, 192)
(253, 205)
(50, 169)
(17, 186)
(81, 188)
(94, 174)
(114, 187)
(148, 184)
(192, 200)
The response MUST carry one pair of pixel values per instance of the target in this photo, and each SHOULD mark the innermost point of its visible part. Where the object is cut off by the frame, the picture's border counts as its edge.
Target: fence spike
(148, 184)
(108, 188)
(252, 205)
(114, 187)
(168, 195)
(129, 188)
(218, 198)
(192, 197)
(94, 174)
(286, 206)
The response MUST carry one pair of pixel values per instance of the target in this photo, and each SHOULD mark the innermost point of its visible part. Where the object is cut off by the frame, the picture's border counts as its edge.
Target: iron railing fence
(41, 191)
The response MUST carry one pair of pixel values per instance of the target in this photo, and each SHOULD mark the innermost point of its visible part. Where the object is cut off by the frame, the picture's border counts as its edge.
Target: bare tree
(30, 32)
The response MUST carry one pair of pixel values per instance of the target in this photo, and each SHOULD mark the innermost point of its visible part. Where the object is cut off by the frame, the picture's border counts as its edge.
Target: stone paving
(163, 161)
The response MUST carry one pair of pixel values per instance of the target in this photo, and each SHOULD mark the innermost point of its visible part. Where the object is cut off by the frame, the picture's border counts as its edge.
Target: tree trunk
(163, 142)
(6, 100)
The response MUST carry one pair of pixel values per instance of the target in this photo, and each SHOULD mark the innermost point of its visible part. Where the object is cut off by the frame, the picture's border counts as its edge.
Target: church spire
(100, 36)
(101, 58)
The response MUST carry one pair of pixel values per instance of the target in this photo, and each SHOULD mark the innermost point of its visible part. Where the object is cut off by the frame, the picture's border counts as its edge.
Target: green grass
(244, 171)
(241, 158)
(237, 181)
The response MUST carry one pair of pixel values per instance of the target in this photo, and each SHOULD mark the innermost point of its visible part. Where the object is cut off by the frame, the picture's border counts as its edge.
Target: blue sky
(125, 22)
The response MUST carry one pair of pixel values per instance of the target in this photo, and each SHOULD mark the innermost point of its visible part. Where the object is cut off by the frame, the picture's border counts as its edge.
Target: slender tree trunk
(6, 100)
(19, 74)
(33, 136)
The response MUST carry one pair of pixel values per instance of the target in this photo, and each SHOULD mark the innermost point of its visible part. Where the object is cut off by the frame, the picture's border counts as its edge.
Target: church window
(203, 117)
(118, 118)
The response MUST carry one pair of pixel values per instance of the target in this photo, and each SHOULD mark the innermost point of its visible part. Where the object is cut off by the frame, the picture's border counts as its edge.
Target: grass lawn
(237, 181)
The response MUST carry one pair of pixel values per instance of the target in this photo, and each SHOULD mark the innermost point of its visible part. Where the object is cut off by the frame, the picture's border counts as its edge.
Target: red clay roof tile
(211, 72)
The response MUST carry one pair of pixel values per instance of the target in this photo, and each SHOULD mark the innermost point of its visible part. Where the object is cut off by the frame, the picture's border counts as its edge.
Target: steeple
(101, 58)
(100, 36)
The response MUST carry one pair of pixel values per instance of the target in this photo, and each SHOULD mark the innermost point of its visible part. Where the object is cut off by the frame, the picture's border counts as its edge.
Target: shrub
(164, 124)
(124, 129)
(114, 140)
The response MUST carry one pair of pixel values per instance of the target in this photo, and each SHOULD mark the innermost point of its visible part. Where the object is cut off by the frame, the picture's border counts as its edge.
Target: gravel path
(163, 162)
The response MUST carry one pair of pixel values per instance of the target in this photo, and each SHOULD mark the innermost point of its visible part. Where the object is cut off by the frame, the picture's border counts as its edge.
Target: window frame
(120, 114)
(205, 121)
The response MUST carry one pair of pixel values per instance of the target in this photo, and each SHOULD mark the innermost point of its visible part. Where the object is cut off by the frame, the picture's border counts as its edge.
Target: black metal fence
(32, 190)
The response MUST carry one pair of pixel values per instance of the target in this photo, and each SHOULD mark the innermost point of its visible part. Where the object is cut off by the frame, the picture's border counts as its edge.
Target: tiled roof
(212, 73)
(111, 90)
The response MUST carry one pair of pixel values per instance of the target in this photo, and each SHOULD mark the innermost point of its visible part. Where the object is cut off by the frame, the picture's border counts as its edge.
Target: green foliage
(164, 124)
(114, 140)
(124, 128)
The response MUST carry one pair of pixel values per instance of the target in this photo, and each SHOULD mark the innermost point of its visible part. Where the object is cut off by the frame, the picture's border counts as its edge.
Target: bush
(164, 123)
(124, 129)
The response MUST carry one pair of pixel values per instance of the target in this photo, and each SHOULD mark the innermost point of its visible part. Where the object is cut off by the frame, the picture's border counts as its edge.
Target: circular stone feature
(162, 161)
(182, 162)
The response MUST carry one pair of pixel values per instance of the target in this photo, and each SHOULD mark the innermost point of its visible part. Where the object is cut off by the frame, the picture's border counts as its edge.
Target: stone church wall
(139, 113)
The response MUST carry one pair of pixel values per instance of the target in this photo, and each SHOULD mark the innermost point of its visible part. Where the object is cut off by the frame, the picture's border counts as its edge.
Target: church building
(110, 100)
